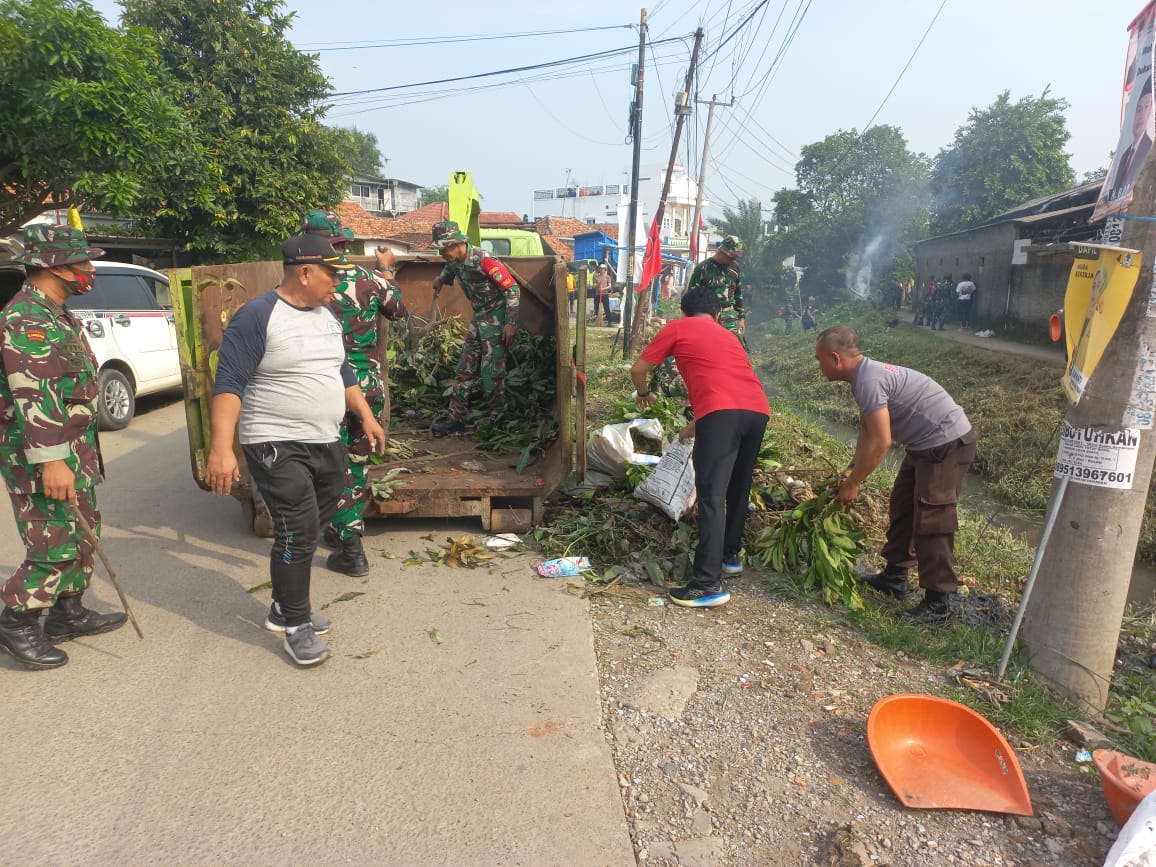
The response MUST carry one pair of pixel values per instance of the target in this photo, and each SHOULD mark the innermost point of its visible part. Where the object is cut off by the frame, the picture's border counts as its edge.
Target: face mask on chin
(80, 282)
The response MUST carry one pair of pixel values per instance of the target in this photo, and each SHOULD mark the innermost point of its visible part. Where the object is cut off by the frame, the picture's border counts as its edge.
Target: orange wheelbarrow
(937, 754)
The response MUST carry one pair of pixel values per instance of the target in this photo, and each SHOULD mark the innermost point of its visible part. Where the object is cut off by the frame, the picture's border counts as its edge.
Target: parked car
(128, 317)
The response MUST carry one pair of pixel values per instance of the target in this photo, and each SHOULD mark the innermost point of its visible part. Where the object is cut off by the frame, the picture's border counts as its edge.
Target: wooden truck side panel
(460, 480)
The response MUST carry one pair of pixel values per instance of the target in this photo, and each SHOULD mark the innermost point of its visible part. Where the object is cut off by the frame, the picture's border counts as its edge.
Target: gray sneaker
(275, 621)
(305, 647)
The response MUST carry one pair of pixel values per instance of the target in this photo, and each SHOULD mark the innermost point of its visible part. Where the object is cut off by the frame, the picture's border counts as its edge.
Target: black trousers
(726, 449)
(301, 484)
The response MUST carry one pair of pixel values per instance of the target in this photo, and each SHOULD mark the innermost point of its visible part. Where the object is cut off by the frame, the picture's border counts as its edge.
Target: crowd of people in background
(941, 298)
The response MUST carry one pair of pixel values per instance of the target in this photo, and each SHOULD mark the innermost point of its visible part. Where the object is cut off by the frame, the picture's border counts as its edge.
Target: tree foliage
(1006, 154)
(256, 104)
(429, 195)
(860, 199)
(745, 221)
(87, 117)
(363, 152)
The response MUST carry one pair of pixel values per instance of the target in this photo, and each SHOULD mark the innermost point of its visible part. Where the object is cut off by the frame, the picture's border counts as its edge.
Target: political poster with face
(1137, 121)
(1099, 288)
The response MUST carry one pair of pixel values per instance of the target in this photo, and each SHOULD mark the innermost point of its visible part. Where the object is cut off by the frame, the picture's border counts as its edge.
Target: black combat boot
(934, 610)
(892, 581)
(349, 558)
(448, 426)
(68, 619)
(21, 636)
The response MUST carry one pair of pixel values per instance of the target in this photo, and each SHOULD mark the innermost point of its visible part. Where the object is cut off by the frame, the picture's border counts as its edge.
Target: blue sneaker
(732, 565)
(691, 596)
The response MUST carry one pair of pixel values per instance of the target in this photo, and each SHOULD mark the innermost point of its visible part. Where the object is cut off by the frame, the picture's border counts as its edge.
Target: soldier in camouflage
(49, 455)
(493, 292)
(721, 273)
(361, 297)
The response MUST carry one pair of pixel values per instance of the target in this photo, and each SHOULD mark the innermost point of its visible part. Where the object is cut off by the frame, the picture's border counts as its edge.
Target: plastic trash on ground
(563, 567)
(610, 448)
(670, 486)
(502, 541)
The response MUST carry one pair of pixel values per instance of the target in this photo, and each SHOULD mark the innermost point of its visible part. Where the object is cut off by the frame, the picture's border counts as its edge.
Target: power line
(397, 100)
(918, 45)
(738, 29)
(440, 40)
(584, 58)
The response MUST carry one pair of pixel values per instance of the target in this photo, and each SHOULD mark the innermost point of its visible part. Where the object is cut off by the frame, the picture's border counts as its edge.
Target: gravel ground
(739, 736)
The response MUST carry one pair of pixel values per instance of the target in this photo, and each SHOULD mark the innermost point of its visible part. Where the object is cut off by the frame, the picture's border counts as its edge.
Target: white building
(384, 197)
(602, 203)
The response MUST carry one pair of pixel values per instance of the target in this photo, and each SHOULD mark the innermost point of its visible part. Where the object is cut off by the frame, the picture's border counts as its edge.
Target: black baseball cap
(312, 250)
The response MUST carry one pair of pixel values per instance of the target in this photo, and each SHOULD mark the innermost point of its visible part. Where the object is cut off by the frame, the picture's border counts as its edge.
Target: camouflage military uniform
(360, 299)
(49, 455)
(493, 292)
(723, 279)
(48, 393)
(941, 300)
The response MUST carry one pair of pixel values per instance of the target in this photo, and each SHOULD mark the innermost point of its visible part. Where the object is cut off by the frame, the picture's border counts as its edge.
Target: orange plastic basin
(937, 754)
(1126, 781)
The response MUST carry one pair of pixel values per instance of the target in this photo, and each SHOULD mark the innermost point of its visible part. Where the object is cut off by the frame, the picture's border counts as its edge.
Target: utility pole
(635, 170)
(702, 181)
(1072, 620)
(681, 110)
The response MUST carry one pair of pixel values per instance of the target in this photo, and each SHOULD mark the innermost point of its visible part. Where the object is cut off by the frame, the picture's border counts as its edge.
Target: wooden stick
(86, 528)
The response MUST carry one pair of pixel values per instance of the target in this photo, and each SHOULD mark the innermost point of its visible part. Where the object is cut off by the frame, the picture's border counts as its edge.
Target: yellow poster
(1099, 289)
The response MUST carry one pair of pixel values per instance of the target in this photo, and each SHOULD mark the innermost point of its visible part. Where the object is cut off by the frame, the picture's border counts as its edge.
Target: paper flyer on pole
(1138, 120)
(1097, 457)
(1100, 286)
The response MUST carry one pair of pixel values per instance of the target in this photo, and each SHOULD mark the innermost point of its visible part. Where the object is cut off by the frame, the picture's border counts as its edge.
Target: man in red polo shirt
(731, 412)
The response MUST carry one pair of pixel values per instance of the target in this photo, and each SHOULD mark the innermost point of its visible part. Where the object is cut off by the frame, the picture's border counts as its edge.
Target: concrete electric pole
(1072, 619)
(681, 110)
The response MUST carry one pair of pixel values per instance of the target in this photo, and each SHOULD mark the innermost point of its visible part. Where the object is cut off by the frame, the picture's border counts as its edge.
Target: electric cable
(415, 41)
(583, 58)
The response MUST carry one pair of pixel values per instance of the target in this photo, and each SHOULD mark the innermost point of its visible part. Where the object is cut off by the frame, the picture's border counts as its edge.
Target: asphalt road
(457, 722)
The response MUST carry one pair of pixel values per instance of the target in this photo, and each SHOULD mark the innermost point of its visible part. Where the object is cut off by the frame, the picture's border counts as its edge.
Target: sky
(798, 70)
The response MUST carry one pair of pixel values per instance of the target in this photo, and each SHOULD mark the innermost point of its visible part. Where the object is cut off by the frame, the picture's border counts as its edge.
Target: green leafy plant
(818, 542)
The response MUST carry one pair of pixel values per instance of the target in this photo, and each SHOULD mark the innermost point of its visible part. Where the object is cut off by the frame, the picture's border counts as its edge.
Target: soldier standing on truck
(721, 273)
(49, 455)
(361, 297)
(493, 293)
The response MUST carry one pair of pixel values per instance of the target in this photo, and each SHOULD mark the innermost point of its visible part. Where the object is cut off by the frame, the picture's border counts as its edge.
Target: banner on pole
(1099, 288)
(1137, 121)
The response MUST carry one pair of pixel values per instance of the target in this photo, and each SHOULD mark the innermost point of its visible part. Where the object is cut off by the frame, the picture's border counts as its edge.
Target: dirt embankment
(739, 735)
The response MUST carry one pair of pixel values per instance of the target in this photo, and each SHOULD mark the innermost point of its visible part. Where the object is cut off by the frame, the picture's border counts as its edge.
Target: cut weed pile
(628, 542)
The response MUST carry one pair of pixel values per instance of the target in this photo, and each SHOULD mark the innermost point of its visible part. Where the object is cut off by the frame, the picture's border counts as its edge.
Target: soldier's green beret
(48, 246)
(446, 234)
(324, 223)
(347, 234)
(733, 244)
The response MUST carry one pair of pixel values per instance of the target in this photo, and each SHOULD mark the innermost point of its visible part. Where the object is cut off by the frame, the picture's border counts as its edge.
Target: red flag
(652, 258)
(694, 242)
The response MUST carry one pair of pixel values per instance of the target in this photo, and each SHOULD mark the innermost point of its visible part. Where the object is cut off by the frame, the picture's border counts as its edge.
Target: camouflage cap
(732, 244)
(48, 246)
(446, 234)
(324, 223)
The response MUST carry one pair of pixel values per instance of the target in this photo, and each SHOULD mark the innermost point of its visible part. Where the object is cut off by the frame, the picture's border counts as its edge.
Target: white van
(128, 317)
